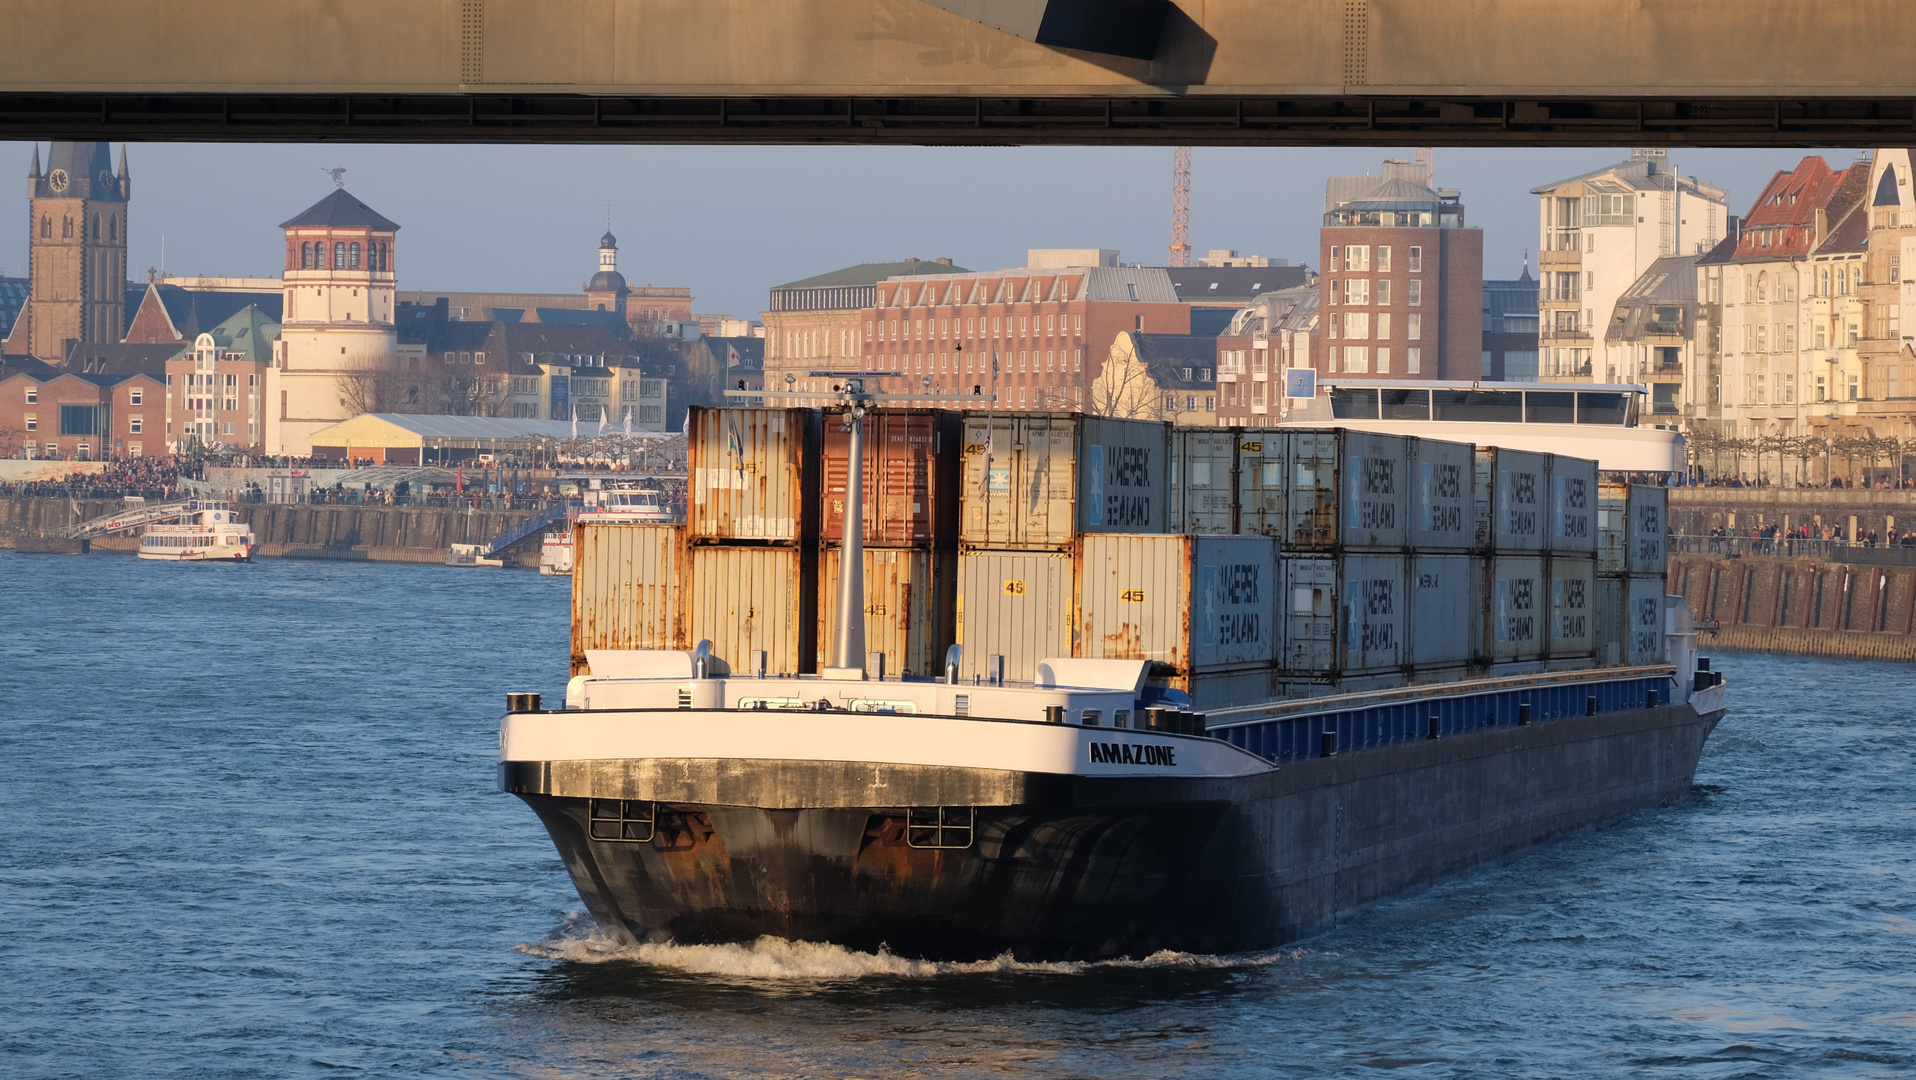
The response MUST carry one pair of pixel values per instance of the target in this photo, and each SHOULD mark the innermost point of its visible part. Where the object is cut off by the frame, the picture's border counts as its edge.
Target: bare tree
(1124, 387)
(469, 394)
(12, 441)
(380, 389)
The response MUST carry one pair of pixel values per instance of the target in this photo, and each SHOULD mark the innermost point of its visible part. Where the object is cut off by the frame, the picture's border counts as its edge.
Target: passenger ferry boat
(1601, 422)
(631, 502)
(555, 552)
(214, 535)
(1084, 813)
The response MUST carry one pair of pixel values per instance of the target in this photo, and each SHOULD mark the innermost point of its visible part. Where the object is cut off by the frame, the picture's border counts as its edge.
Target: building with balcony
(1275, 332)
(1887, 347)
(1651, 335)
(1598, 233)
(1510, 328)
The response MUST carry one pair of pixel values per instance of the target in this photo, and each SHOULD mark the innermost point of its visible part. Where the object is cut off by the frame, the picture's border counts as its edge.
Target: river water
(250, 830)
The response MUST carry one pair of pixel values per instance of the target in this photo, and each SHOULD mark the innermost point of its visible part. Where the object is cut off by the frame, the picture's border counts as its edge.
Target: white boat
(213, 536)
(470, 555)
(555, 553)
(1599, 422)
(626, 501)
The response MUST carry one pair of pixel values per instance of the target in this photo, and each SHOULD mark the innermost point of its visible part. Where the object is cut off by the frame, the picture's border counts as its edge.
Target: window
(33, 422)
(1383, 261)
(135, 396)
(1822, 337)
(1335, 291)
(1789, 387)
(1414, 327)
(339, 255)
(306, 256)
(478, 358)
(1414, 359)
(1334, 263)
(1210, 403)
(1416, 261)
(1383, 360)
(1854, 392)
(1762, 388)
(1383, 326)
(1414, 292)
(1853, 335)
(1357, 290)
(33, 395)
(1357, 325)
(1822, 388)
(1356, 358)
(1383, 288)
(1357, 257)
(46, 226)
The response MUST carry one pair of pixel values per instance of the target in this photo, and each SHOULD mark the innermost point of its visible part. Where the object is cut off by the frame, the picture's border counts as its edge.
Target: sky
(731, 222)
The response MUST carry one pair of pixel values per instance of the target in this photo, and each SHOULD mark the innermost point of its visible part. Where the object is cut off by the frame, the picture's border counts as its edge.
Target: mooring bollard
(1327, 742)
(1590, 705)
(1435, 723)
(1650, 700)
(522, 703)
(1523, 713)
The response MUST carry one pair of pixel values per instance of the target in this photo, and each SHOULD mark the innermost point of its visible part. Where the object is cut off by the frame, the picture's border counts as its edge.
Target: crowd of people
(1773, 539)
(150, 478)
(1834, 482)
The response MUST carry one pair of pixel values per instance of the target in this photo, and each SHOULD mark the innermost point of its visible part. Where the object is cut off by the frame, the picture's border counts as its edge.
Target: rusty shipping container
(1016, 604)
(1345, 490)
(1441, 509)
(744, 599)
(1573, 505)
(1187, 603)
(1510, 511)
(625, 588)
(1203, 480)
(911, 478)
(1035, 481)
(753, 474)
(910, 601)
(1632, 529)
(1262, 466)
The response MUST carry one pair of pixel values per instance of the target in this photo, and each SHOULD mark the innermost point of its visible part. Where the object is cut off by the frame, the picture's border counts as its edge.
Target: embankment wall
(1801, 606)
(1695, 511)
(303, 531)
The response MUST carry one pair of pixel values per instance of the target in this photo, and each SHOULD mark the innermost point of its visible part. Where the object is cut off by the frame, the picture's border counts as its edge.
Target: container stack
(1032, 485)
(1571, 640)
(911, 481)
(1203, 481)
(626, 580)
(1632, 538)
(750, 565)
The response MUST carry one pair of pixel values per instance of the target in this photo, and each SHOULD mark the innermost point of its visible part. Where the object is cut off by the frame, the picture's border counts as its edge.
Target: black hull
(1079, 868)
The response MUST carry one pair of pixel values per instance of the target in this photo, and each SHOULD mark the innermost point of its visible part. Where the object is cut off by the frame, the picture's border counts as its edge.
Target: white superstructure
(1594, 421)
(213, 536)
(555, 553)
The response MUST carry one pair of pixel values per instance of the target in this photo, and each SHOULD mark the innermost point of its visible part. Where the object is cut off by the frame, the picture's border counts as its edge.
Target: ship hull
(1074, 867)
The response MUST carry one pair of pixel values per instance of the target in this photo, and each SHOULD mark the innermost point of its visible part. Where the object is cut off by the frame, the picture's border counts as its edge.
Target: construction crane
(1427, 157)
(1181, 207)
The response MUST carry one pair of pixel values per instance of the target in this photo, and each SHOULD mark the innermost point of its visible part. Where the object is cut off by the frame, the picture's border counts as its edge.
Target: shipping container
(909, 607)
(1203, 480)
(1210, 690)
(1515, 620)
(1190, 603)
(1036, 480)
(1510, 500)
(1573, 615)
(1263, 459)
(1016, 604)
(1441, 509)
(1630, 619)
(1632, 529)
(1345, 614)
(911, 481)
(1446, 613)
(1573, 504)
(1346, 489)
(625, 588)
(750, 473)
(744, 599)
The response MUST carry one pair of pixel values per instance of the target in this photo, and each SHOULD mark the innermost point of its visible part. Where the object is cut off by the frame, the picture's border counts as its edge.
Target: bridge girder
(1388, 72)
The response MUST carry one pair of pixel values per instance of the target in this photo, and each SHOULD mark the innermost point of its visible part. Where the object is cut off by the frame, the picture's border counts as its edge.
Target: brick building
(216, 385)
(1276, 331)
(819, 321)
(1036, 336)
(46, 413)
(1402, 289)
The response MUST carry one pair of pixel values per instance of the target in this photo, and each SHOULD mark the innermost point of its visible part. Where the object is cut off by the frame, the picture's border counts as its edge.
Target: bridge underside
(966, 121)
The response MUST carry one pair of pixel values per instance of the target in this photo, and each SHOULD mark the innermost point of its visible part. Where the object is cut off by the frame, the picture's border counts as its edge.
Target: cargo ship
(1076, 709)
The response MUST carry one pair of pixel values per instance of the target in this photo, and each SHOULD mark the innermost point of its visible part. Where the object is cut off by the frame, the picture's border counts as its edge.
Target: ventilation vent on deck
(961, 704)
(685, 697)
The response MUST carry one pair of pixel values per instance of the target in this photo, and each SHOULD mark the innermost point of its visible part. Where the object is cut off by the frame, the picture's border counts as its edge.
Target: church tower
(76, 251)
(606, 290)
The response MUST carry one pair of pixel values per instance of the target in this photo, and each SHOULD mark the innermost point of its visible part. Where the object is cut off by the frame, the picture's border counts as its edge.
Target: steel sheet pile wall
(751, 562)
(1203, 480)
(1631, 557)
(625, 588)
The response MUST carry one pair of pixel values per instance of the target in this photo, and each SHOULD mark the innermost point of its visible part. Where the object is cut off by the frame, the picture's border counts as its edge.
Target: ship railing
(512, 534)
(1315, 727)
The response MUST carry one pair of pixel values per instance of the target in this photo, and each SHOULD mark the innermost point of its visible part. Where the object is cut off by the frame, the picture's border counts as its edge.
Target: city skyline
(731, 222)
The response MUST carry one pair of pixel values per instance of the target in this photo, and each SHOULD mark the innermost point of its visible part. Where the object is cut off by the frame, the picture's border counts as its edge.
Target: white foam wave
(779, 959)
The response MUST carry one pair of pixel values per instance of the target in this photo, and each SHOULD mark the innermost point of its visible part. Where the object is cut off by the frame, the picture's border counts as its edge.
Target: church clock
(57, 179)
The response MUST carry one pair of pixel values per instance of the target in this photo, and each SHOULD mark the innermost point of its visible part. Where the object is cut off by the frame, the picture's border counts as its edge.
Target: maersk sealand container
(1573, 504)
(1035, 481)
(1510, 501)
(1346, 491)
(1345, 615)
(1263, 466)
(1441, 511)
(1632, 529)
(1203, 480)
